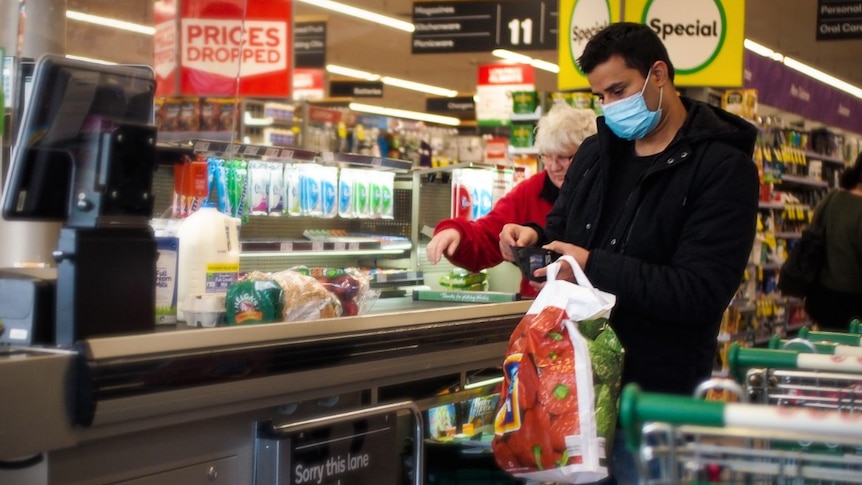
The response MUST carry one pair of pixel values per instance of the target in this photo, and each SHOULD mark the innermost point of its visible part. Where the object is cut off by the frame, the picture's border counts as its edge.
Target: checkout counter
(116, 400)
(188, 406)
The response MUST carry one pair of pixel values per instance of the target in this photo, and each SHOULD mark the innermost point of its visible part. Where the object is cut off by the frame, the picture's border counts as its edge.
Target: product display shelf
(215, 148)
(809, 155)
(796, 181)
(771, 205)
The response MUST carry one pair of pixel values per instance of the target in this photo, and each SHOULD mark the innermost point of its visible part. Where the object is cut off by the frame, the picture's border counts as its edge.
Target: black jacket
(677, 251)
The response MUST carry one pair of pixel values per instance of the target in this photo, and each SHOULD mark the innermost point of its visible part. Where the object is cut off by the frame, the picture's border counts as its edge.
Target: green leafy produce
(606, 413)
(592, 328)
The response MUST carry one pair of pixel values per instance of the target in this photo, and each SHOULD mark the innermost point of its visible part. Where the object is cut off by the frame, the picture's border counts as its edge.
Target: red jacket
(529, 201)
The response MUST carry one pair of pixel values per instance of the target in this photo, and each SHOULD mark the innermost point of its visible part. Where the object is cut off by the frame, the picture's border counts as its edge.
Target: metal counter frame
(179, 383)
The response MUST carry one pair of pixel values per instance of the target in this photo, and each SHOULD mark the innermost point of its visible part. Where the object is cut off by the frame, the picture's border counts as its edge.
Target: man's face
(613, 80)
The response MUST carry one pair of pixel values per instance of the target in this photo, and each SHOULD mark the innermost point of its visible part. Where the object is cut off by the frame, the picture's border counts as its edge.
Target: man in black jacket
(659, 208)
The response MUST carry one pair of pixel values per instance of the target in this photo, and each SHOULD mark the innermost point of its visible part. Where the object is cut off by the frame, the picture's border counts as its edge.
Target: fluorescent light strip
(363, 14)
(823, 77)
(803, 68)
(391, 81)
(350, 72)
(90, 59)
(425, 88)
(537, 63)
(400, 113)
(108, 22)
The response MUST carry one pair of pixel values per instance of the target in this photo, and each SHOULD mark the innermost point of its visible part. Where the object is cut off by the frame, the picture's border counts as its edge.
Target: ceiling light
(400, 113)
(391, 81)
(823, 77)
(362, 14)
(107, 22)
(90, 59)
(350, 72)
(762, 50)
(425, 88)
(803, 68)
(521, 58)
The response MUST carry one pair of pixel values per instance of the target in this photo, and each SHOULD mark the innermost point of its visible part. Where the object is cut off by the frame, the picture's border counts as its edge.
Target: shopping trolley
(682, 440)
(804, 345)
(793, 378)
(851, 338)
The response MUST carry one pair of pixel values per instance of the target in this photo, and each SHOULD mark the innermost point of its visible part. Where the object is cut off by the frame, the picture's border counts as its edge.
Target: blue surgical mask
(630, 118)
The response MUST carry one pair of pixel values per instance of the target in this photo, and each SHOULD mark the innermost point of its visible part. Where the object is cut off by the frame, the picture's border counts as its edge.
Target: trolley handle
(638, 408)
(740, 359)
(836, 337)
(856, 326)
(801, 345)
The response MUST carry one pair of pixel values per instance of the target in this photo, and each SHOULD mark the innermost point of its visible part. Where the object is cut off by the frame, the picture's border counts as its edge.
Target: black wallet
(531, 258)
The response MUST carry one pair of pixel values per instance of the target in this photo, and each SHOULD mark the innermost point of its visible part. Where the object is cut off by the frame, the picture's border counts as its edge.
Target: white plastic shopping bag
(562, 369)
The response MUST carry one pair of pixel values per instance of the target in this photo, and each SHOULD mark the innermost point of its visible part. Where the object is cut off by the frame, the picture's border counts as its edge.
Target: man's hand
(580, 254)
(444, 243)
(516, 235)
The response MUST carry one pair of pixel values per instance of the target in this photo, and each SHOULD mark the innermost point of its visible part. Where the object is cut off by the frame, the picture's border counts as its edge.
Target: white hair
(563, 129)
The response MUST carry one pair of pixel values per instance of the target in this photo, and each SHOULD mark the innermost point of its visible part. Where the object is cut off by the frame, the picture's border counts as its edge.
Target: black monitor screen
(56, 154)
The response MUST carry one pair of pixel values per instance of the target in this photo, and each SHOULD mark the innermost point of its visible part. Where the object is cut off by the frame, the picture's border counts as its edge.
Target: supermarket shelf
(449, 168)
(788, 235)
(770, 266)
(771, 205)
(185, 136)
(802, 182)
(824, 158)
(232, 150)
(526, 116)
(523, 151)
(365, 161)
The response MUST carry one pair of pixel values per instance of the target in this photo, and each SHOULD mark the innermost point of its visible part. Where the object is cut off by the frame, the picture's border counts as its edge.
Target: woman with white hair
(474, 245)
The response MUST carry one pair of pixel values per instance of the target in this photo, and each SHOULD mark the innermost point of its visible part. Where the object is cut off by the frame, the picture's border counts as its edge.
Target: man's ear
(659, 70)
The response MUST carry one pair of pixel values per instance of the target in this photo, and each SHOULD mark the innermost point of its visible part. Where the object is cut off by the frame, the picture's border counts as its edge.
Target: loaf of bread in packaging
(305, 298)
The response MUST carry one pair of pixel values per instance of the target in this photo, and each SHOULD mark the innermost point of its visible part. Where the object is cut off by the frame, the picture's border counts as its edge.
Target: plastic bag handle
(580, 277)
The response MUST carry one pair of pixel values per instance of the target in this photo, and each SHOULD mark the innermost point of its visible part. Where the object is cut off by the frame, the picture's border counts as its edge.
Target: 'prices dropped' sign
(222, 43)
(221, 46)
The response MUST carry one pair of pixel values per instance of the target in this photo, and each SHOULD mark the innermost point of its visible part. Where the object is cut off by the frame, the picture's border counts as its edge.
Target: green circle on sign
(714, 54)
(569, 34)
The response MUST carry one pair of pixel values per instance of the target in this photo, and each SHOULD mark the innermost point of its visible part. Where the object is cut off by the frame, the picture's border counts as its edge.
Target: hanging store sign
(165, 47)
(225, 48)
(579, 20)
(786, 89)
(839, 20)
(703, 37)
(308, 84)
(494, 90)
(356, 89)
(461, 107)
(309, 44)
(446, 27)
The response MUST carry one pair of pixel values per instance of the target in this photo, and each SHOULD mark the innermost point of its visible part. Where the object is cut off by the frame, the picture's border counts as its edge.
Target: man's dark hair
(852, 176)
(637, 43)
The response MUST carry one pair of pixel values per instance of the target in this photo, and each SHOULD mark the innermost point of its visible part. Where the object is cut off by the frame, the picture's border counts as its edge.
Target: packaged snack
(305, 298)
(256, 299)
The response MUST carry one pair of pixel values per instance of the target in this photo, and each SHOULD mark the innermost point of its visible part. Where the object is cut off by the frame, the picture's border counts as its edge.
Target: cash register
(84, 155)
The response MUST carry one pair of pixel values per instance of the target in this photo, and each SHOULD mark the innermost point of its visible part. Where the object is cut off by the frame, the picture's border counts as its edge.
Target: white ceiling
(787, 26)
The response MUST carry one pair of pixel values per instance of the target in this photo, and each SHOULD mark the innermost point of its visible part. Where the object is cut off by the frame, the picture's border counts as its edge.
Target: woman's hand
(444, 243)
(516, 235)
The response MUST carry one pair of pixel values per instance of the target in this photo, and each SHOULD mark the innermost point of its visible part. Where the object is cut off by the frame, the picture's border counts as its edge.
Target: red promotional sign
(165, 47)
(225, 42)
